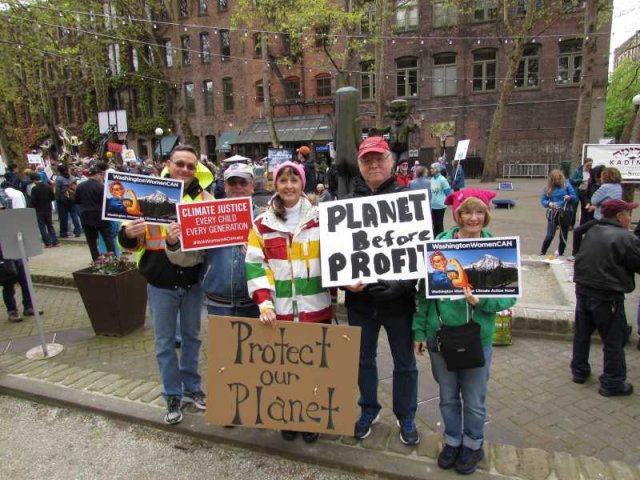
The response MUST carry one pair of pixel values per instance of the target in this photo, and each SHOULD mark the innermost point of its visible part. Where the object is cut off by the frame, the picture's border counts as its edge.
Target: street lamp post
(159, 132)
(635, 129)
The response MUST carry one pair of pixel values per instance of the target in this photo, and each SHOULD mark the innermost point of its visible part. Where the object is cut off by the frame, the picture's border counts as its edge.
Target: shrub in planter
(114, 295)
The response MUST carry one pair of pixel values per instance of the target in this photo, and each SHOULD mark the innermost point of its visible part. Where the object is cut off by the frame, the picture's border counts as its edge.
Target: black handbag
(8, 272)
(461, 346)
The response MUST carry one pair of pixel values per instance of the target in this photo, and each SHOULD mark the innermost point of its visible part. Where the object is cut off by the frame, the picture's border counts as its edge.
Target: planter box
(116, 304)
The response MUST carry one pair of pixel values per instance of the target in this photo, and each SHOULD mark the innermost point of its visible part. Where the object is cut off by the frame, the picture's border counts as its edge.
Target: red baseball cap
(373, 144)
(611, 208)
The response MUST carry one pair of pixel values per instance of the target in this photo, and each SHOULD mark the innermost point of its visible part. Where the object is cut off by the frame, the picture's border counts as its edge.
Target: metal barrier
(530, 170)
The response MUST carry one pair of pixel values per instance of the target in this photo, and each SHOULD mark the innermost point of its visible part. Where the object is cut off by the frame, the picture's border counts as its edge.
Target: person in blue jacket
(439, 190)
(556, 196)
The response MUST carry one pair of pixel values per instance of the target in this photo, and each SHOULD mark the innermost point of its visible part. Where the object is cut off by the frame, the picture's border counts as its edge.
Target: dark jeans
(92, 231)
(405, 372)
(47, 232)
(64, 211)
(585, 214)
(551, 232)
(9, 291)
(437, 217)
(609, 318)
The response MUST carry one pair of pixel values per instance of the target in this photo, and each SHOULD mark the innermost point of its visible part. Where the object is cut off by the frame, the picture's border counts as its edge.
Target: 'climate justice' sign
(380, 237)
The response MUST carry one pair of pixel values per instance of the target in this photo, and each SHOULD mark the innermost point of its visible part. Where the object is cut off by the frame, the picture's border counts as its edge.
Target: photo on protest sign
(625, 158)
(218, 223)
(277, 156)
(489, 266)
(297, 376)
(374, 238)
(128, 196)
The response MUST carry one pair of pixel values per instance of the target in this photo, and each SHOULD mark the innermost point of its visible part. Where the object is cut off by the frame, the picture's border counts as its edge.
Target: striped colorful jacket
(283, 269)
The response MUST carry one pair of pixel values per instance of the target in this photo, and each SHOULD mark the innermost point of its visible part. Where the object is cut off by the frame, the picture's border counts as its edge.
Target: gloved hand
(386, 290)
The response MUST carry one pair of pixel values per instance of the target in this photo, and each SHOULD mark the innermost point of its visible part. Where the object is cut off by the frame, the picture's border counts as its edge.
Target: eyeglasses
(181, 164)
(233, 181)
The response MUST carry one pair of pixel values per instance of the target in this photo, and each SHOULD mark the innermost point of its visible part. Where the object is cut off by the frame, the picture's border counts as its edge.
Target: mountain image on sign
(489, 271)
(158, 205)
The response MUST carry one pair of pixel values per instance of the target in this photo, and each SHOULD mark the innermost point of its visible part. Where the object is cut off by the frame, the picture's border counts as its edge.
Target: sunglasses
(182, 164)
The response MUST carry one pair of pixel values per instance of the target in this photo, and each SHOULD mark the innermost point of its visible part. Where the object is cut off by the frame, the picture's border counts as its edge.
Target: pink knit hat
(297, 167)
(456, 198)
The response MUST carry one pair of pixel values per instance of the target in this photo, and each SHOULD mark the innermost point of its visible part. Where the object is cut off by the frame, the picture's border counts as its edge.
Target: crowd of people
(276, 276)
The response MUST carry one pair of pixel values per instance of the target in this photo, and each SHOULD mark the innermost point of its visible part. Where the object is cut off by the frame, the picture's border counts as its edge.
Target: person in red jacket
(403, 176)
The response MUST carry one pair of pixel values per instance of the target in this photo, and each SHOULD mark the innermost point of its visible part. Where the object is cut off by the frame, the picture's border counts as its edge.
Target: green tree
(624, 84)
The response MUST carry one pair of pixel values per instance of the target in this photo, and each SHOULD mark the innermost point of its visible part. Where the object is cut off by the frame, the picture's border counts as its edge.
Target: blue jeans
(47, 232)
(64, 211)
(609, 318)
(182, 376)
(463, 394)
(250, 311)
(405, 372)
(551, 232)
(9, 291)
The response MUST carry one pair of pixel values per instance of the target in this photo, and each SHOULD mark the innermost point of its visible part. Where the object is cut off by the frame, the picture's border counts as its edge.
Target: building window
(223, 5)
(110, 14)
(444, 75)
(259, 92)
(225, 44)
(168, 102)
(521, 9)
(66, 73)
(134, 59)
(189, 98)
(168, 52)
(149, 55)
(368, 20)
(205, 48)
(322, 36)
(227, 94)
(571, 5)
(484, 70)
(134, 100)
(323, 85)
(143, 151)
(407, 77)
(68, 108)
(211, 146)
(484, 10)
(528, 74)
(406, 15)
(367, 81)
(183, 7)
(185, 42)
(150, 113)
(114, 58)
(292, 88)
(207, 88)
(444, 15)
(257, 45)
(54, 106)
(203, 7)
(570, 62)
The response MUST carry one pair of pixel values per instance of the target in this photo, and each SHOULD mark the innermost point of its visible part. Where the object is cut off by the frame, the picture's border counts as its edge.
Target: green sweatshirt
(453, 312)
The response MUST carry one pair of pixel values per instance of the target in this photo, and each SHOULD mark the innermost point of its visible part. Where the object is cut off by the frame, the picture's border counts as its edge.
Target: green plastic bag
(502, 335)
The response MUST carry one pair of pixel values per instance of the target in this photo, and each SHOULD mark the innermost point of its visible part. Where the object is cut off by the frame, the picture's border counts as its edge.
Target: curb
(381, 454)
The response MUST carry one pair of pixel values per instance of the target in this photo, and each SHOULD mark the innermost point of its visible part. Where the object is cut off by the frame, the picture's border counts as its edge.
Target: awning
(166, 143)
(290, 130)
(227, 139)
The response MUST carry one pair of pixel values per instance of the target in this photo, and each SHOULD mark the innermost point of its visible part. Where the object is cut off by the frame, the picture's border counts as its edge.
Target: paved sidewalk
(533, 406)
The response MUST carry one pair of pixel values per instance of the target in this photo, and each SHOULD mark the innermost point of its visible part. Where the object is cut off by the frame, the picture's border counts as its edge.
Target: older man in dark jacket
(604, 271)
(388, 304)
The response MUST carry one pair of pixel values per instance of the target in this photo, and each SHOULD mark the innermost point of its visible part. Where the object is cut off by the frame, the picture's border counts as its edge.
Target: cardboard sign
(218, 223)
(129, 156)
(279, 155)
(489, 266)
(461, 150)
(35, 159)
(297, 376)
(374, 238)
(625, 158)
(128, 196)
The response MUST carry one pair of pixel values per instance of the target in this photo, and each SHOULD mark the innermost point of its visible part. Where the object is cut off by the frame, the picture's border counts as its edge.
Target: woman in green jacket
(463, 392)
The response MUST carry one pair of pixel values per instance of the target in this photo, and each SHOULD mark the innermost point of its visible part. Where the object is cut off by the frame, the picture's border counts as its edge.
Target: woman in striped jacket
(283, 259)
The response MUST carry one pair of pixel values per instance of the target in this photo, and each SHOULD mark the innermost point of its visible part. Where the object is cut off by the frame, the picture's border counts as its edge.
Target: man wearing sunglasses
(224, 280)
(173, 290)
